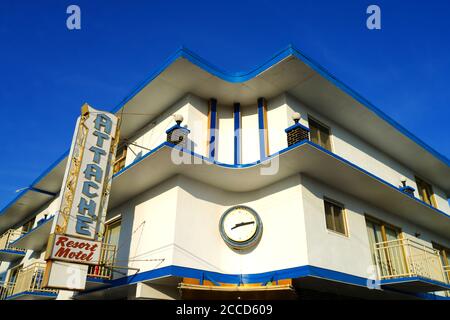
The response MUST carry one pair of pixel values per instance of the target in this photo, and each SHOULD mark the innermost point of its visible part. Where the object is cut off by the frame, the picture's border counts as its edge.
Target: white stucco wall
(195, 113)
(352, 148)
(225, 138)
(349, 254)
(250, 134)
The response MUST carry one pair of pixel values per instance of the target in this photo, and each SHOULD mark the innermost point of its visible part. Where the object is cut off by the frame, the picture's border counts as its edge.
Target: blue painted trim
(237, 133)
(178, 127)
(240, 77)
(265, 277)
(32, 230)
(33, 293)
(98, 280)
(297, 125)
(407, 188)
(411, 279)
(12, 251)
(262, 129)
(212, 128)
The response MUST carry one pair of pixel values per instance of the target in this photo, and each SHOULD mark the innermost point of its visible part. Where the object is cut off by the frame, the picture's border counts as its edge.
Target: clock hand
(242, 224)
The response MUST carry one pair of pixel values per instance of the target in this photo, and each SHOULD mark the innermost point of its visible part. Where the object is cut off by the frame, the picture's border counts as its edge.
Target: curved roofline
(239, 77)
(290, 50)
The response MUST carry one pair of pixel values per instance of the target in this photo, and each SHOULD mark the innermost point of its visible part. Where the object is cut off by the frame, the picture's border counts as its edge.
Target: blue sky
(48, 72)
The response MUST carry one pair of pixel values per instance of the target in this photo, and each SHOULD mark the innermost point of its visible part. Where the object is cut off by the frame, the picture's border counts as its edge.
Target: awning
(246, 292)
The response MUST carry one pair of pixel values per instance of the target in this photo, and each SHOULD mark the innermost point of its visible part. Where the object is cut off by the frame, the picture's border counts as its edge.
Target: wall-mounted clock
(240, 227)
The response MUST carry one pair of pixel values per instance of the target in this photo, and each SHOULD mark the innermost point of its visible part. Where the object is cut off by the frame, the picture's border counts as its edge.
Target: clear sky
(48, 72)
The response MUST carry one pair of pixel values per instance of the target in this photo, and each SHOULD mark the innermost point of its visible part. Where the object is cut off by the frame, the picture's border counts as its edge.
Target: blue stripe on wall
(261, 127)
(237, 133)
(212, 128)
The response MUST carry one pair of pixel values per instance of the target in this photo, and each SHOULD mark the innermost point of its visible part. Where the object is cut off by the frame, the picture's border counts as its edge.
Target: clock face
(240, 227)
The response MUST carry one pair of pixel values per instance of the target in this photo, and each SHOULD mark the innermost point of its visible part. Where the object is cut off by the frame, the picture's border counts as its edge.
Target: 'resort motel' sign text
(75, 250)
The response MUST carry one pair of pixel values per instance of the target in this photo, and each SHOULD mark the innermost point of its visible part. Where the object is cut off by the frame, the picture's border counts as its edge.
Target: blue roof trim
(33, 293)
(178, 127)
(32, 230)
(239, 77)
(12, 251)
(265, 277)
(297, 125)
(248, 165)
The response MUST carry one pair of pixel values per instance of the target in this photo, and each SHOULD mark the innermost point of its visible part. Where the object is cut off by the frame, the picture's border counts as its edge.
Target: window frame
(429, 187)
(344, 217)
(330, 133)
(29, 223)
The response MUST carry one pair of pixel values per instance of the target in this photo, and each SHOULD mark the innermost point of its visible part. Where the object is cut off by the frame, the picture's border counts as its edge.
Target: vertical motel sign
(75, 240)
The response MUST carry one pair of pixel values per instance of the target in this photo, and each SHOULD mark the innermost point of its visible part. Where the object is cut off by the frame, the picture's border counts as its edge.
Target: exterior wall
(250, 134)
(355, 150)
(350, 254)
(147, 230)
(198, 243)
(178, 222)
(225, 137)
(195, 113)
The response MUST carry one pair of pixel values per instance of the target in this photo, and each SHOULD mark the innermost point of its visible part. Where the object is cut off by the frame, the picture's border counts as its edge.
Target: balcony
(99, 275)
(36, 239)
(409, 266)
(8, 252)
(28, 285)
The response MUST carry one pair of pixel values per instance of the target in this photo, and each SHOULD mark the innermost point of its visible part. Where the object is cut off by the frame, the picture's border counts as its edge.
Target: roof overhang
(306, 158)
(36, 238)
(33, 295)
(10, 255)
(414, 285)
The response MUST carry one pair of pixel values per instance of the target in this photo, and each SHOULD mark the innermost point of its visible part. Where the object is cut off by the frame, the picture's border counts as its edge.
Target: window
(335, 217)
(13, 273)
(445, 259)
(391, 260)
(121, 156)
(28, 225)
(319, 134)
(112, 232)
(425, 192)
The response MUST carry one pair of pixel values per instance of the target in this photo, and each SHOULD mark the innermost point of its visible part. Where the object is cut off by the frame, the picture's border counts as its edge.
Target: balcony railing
(104, 270)
(8, 237)
(407, 258)
(28, 282)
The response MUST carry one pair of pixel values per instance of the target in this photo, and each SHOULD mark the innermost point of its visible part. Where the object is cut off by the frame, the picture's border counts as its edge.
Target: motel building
(278, 183)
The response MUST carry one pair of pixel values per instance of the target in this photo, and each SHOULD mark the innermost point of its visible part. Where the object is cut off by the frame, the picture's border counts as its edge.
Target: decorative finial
(178, 118)
(403, 180)
(296, 117)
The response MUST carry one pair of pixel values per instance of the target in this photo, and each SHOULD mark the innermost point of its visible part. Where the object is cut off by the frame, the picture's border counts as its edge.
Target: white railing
(8, 237)
(408, 258)
(29, 280)
(104, 270)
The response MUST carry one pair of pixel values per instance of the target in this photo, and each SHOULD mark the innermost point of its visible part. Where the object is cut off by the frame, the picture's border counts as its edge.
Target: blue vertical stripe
(261, 127)
(212, 128)
(237, 133)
